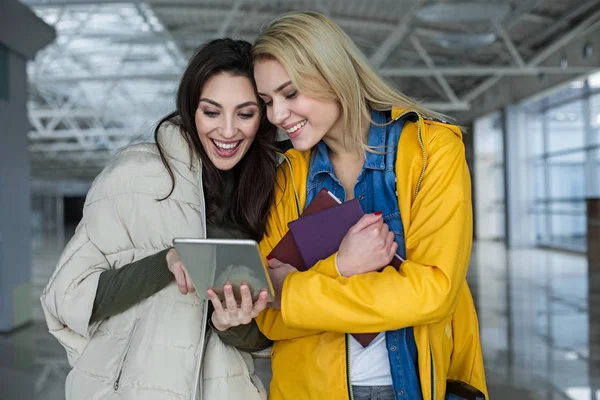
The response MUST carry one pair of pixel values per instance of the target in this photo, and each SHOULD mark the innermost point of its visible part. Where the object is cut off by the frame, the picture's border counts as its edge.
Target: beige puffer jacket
(152, 350)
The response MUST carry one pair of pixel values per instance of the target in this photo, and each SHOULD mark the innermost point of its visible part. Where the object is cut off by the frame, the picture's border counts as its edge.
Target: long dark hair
(255, 174)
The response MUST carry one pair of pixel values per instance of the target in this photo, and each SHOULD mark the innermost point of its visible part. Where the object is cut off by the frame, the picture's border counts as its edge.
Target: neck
(334, 139)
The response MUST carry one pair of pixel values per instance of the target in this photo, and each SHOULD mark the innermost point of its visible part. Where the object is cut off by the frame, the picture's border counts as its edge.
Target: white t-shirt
(370, 366)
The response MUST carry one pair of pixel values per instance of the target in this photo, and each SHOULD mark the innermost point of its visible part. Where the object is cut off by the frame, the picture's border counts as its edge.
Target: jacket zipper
(124, 357)
(424, 154)
(198, 369)
(254, 383)
(348, 369)
(432, 372)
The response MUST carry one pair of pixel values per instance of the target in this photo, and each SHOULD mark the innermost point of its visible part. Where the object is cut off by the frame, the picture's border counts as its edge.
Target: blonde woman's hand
(368, 246)
(229, 313)
(178, 270)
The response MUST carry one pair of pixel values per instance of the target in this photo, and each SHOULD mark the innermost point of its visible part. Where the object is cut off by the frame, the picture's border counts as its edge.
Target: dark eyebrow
(214, 103)
(246, 104)
(279, 89)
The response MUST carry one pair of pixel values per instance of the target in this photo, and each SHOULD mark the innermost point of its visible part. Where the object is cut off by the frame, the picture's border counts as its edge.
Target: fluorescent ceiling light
(461, 12)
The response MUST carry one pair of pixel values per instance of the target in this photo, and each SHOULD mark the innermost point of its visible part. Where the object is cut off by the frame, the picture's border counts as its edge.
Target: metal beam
(469, 97)
(214, 13)
(561, 23)
(518, 89)
(537, 18)
(85, 156)
(229, 18)
(84, 113)
(438, 76)
(164, 76)
(483, 71)
(588, 23)
(387, 72)
(461, 106)
(395, 38)
(69, 146)
(88, 133)
(170, 45)
(509, 44)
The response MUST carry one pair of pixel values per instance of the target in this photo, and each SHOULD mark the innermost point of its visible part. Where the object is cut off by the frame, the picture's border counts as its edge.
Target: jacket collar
(175, 145)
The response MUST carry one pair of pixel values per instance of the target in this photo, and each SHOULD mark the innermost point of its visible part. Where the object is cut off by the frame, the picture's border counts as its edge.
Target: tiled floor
(533, 309)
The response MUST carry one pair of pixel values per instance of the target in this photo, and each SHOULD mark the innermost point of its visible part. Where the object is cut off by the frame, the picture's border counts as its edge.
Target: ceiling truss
(113, 71)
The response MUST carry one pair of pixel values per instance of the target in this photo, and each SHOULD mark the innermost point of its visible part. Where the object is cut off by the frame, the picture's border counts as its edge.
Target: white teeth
(226, 146)
(296, 127)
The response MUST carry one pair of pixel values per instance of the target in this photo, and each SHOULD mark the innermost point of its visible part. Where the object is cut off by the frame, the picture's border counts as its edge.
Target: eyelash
(288, 97)
(214, 114)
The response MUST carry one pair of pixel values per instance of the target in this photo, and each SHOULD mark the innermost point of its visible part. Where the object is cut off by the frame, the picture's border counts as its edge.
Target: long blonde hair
(324, 63)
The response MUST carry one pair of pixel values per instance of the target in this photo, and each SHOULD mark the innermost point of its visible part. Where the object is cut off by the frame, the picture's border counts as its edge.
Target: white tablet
(212, 262)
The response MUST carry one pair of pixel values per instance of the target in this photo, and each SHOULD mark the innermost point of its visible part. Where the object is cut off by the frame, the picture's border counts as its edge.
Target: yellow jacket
(429, 293)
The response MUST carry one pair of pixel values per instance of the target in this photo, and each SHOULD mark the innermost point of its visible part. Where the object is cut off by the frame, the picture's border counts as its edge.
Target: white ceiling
(113, 70)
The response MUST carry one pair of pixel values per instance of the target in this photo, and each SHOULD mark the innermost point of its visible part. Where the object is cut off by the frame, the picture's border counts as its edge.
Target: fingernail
(378, 212)
(269, 258)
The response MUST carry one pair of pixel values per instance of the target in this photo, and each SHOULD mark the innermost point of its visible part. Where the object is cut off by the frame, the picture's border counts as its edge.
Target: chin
(302, 145)
(225, 165)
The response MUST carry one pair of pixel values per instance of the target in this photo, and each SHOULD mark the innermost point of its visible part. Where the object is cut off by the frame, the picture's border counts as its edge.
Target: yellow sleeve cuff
(328, 267)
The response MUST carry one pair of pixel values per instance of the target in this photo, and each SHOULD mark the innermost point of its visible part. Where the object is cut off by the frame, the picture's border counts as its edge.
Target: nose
(280, 113)
(229, 128)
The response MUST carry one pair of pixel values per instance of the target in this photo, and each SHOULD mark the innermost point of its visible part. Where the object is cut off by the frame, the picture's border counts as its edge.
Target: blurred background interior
(81, 78)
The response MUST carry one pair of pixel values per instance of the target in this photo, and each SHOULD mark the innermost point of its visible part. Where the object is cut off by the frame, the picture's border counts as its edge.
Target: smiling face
(227, 119)
(306, 120)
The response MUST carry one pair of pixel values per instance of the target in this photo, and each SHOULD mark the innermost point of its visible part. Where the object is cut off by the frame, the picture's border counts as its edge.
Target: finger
(230, 299)
(246, 300)
(172, 256)
(390, 240)
(365, 221)
(188, 281)
(274, 263)
(180, 278)
(260, 304)
(393, 249)
(216, 302)
(384, 231)
(375, 228)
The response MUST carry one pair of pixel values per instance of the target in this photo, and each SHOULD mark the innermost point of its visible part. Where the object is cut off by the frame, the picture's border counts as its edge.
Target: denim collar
(321, 163)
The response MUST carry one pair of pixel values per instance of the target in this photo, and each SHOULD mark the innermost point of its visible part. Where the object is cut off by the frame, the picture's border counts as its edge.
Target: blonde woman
(359, 138)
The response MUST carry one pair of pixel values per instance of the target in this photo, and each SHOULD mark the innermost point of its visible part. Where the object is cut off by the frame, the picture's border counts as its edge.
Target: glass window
(566, 176)
(595, 142)
(565, 126)
(489, 177)
(535, 133)
(564, 164)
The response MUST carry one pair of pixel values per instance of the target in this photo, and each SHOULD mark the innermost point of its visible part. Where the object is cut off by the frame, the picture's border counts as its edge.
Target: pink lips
(296, 133)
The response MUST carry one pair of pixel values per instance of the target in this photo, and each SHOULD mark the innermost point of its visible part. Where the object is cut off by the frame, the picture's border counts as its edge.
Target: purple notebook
(319, 235)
